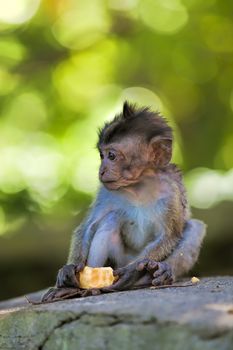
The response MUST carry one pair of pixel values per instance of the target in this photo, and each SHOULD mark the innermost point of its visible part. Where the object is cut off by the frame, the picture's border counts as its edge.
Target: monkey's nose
(102, 172)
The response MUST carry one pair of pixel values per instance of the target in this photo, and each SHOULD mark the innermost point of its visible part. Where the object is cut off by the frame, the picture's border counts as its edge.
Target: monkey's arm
(75, 252)
(79, 249)
(66, 282)
(66, 276)
(81, 240)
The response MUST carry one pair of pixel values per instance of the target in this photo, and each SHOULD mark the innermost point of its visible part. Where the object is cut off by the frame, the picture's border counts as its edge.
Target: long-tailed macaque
(140, 221)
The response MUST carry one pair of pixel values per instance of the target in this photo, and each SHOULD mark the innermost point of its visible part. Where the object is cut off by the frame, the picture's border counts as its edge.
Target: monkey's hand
(161, 272)
(67, 276)
(127, 277)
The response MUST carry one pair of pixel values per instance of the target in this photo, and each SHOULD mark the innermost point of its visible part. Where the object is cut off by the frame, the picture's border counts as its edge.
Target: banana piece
(95, 277)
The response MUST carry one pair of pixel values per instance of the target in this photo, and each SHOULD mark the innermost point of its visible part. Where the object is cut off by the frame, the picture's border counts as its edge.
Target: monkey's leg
(180, 261)
(149, 271)
(186, 254)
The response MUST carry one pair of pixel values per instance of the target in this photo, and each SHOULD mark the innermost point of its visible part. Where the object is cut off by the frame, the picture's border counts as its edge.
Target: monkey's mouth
(117, 184)
(111, 184)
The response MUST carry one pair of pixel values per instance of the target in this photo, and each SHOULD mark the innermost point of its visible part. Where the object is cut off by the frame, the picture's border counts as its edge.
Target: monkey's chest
(139, 228)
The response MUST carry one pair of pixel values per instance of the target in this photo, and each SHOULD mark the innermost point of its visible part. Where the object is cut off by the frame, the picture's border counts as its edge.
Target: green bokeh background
(66, 66)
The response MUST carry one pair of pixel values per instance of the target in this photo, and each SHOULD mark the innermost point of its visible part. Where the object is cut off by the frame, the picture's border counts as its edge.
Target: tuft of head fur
(134, 121)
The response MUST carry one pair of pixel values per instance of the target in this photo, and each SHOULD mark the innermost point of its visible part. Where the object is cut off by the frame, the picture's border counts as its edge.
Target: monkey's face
(122, 163)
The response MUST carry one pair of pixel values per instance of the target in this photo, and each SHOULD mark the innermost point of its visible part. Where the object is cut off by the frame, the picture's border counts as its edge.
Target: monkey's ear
(161, 150)
(128, 110)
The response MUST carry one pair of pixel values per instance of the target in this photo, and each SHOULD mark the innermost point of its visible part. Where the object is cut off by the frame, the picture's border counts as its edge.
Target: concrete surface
(196, 317)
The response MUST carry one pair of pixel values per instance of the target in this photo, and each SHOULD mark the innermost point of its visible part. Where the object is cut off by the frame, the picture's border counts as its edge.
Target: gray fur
(135, 229)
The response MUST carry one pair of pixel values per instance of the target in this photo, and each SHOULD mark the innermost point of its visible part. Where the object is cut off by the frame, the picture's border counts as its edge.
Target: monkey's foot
(54, 294)
(161, 272)
(59, 293)
(90, 292)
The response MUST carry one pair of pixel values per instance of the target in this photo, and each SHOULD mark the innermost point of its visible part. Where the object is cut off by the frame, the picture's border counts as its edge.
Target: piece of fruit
(195, 280)
(95, 277)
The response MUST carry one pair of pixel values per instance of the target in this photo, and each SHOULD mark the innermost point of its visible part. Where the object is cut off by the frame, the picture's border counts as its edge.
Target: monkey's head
(134, 142)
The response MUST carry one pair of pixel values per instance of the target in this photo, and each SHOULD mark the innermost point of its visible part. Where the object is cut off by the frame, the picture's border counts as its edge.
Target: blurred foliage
(66, 66)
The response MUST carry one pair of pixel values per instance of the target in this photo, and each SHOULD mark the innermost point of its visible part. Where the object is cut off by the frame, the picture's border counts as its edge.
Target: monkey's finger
(79, 267)
(95, 291)
(62, 292)
(54, 293)
(108, 289)
(118, 285)
(162, 268)
(66, 278)
(90, 292)
(165, 278)
(123, 282)
(128, 269)
(161, 282)
(142, 264)
(67, 281)
(152, 265)
(170, 280)
(48, 295)
(120, 272)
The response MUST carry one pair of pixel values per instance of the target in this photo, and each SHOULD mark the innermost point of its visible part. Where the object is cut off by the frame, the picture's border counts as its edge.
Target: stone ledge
(197, 317)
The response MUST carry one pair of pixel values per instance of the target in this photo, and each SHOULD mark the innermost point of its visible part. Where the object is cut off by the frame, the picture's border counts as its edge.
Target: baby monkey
(140, 222)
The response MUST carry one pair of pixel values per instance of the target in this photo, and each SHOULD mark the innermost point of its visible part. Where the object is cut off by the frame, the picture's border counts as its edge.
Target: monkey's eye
(111, 155)
(101, 155)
